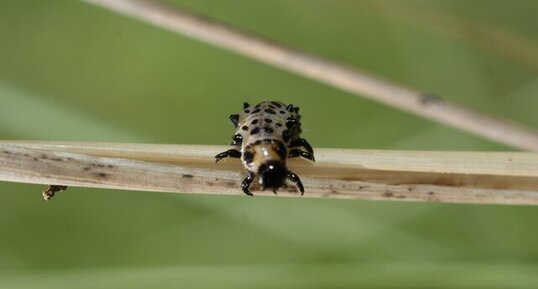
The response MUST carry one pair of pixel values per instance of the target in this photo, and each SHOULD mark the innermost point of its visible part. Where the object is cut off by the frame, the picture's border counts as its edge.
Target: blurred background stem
(339, 76)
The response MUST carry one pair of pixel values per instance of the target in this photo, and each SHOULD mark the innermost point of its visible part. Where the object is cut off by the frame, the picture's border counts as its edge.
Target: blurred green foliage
(73, 72)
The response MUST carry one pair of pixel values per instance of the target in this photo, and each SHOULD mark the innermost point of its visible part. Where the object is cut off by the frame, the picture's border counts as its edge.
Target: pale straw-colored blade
(452, 177)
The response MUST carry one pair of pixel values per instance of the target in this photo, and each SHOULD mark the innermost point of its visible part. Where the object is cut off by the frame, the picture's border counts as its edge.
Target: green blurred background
(73, 72)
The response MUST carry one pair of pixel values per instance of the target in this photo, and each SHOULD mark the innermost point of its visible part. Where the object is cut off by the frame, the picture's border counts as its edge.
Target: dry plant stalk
(448, 177)
(339, 76)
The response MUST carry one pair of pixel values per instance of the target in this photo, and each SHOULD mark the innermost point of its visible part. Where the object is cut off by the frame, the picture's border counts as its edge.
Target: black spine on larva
(289, 107)
(235, 119)
(237, 139)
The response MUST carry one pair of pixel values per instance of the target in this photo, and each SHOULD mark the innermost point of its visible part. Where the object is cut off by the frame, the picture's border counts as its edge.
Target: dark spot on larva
(257, 105)
(509, 160)
(86, 168)
(282, 112)
(271, 111)
(247, 111)
(26, 155)
(254, 121)
(430, 193)
(255, 130)
(291, 123)
(187, 176)
(286, 135)
(256, 110)
(44, 156)
(110, 166)
(35, 159)
(209, 184)
(360, 187)
(258, 142)
(281, 149)
(268, 120)
(237, 139)
(100, 175)
(276, 104)
(268, 129)
(409, 189)
(245, 128)
(248, 157)
(57, 159)
(7, 152)
(278, 124)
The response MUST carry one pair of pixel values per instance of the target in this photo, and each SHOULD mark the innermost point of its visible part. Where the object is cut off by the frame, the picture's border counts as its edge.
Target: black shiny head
(272, 175)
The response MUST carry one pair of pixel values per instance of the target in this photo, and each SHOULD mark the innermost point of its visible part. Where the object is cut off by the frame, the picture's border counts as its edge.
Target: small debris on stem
(50, 190)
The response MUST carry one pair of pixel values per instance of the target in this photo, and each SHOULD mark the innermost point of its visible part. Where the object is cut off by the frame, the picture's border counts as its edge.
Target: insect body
(266, 135)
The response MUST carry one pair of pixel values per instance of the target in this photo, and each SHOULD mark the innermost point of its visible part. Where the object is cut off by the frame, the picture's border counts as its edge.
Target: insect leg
(297, 181)
(301, 142)
(233, 153)
(245, 185)
(299, 153)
